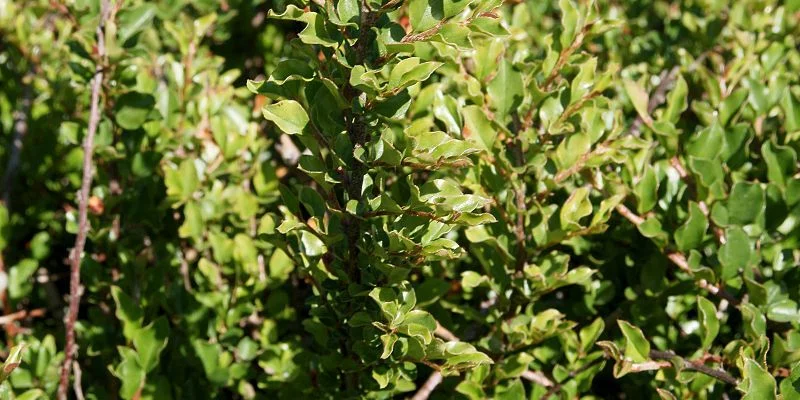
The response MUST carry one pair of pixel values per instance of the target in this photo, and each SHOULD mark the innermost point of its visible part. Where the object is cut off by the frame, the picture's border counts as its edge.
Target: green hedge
(402, 199)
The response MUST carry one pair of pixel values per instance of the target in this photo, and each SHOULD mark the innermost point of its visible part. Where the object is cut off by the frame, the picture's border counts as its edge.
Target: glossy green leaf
(288, 115)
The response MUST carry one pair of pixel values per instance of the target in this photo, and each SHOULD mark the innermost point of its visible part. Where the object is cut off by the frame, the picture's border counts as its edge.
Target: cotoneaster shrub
(404, 199)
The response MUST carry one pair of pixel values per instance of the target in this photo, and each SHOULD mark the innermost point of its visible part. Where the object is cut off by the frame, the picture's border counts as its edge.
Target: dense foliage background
(386, 199)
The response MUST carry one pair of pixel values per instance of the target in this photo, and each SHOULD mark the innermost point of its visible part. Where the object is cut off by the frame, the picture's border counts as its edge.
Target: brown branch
(444, 333)
(563, 56)
(424, 35)
(696, 366)
(20, 315)
(83, 227)
(422, 214)
(429, 386)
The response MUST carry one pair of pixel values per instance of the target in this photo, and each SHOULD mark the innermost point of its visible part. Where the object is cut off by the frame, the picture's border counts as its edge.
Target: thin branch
(537, 378)
(424, 35)
(444, 333)
(429, 386)
(20, 315)
(83, 226)
(76, 385)
(563, 56)
(696, 366)
(421, 214)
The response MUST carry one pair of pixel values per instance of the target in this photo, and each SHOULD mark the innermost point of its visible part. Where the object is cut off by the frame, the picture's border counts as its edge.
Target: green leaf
(781, 163)
(734, 255)
(505, 90)
(133, 20)
(637, 348)
(707, 144)
(410, 71)
(639, 98)
(128, 312)
(13, 361)
(690, 235)
(677, 101)
(783, 311)
(584, 81)
(316, 30)
(758, 384)
(511, 390)
(589, 334)
(288, 115)
(183, 182)
(790, 386)
(646, 190)
(129, 372)
(150, 341)
(758, 96)
(478, 127)
(549, 112)
(132, 109)
(571, 22)
(709, 323)
(791, 111)
(745, 203)
(576, 207)
(312, 245)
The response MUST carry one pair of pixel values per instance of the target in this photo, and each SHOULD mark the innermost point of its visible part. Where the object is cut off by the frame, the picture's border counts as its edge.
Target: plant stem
(695, 366)
(83, 201)
(429, 386)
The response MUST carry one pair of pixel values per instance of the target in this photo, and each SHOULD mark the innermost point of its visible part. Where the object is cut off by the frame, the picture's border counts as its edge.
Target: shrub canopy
(386, 199)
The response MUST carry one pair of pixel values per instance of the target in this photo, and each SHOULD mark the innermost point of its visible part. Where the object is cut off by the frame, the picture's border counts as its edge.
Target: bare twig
(20, 315)
(444, 333)
(429, 386)
(537, 378)
(76, 385)
(83, 227)
(424, 35)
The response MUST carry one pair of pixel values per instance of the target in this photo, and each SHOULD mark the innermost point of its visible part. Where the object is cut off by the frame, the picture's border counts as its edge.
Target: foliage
(571, 199)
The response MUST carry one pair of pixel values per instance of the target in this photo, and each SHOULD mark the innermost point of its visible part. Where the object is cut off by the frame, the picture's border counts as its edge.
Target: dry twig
(83, 225)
